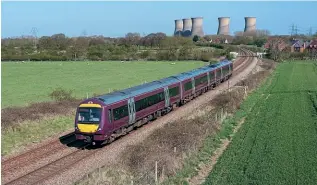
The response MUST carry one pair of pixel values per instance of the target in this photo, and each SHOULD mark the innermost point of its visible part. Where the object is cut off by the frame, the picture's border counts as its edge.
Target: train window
(174, 91)
(218, 73)
(204, 79)
(197, 81)
(149, 101)
(225, 70)
(89, 115)
(188, 86)
(201, 80)
(120, 112)
(139, 105)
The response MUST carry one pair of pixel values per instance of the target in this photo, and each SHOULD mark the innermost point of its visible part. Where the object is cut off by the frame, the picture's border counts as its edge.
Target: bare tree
(277, 49)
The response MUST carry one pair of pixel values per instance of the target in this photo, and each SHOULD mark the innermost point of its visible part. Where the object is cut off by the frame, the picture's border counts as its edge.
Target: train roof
(129, 92)
(219, 64)
(169, 80)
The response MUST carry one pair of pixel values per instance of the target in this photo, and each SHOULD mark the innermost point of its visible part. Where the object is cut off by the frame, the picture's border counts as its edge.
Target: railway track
(243, 62)
(50, 169)
(58, 166)
(15, 162)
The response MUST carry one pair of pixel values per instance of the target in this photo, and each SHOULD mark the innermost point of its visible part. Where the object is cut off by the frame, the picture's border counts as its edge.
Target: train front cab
(89, 123)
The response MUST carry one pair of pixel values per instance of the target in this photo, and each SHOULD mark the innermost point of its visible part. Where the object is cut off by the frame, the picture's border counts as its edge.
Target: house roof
(300, 43)
(313, 44)
(280, 42)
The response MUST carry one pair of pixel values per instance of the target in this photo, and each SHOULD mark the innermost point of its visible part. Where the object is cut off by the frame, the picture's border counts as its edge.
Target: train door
(167, 96)
(181, 89)
(110, 117)
(131, 109)
(193, 85)
(208, 78)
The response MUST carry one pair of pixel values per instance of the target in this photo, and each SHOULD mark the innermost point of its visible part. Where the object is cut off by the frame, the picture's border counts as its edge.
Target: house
(276, 42)
(221, 39)
(312, 47)
(299, 45)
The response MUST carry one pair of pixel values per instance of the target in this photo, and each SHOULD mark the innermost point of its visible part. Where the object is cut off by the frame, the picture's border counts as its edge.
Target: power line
(292, 29)
(34, 32)
(84, 33)
(296, 30)
(310, 31)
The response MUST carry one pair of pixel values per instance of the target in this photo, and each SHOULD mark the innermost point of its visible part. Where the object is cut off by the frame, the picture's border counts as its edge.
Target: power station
(190, 27)
(250, 24)
(178, 28)
(197, 26)
(187, 29)
(223, 28)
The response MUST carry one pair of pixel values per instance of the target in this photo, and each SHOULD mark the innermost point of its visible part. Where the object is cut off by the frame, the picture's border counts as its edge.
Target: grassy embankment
(34, 81)
(277, 142)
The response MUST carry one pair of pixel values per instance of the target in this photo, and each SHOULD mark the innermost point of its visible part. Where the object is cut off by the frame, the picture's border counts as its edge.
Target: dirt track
(108, 154)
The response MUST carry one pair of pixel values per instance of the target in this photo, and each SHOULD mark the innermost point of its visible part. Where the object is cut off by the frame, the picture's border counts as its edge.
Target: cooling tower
(197, 26)
(178, 27)
(187, 29)
(223, 28)
(249, 24)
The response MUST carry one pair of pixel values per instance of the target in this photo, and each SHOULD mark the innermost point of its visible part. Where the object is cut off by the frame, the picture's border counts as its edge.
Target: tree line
(60, 47)
(155, 46)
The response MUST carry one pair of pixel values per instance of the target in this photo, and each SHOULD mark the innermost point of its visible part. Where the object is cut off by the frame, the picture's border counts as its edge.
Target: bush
(206, 57)
(195, 38)
(145, 54)
(60, 94)
(216, 46)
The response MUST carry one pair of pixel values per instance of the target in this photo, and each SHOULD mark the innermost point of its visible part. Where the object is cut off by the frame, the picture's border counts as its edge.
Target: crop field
(277, 144)
(29, 82)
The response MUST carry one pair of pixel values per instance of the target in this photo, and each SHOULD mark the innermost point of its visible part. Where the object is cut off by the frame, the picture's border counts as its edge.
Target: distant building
(312, 45)
(278, 42)
(221, 39)
(312, 48)
(299, 45)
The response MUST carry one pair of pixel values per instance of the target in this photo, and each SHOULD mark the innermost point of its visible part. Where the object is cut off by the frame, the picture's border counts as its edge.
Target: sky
(115, 19)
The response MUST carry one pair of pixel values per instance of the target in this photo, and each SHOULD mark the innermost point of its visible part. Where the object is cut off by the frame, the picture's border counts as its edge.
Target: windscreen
(89, 115)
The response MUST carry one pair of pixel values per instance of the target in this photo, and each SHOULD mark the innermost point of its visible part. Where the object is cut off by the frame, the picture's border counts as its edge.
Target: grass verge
(15, 139)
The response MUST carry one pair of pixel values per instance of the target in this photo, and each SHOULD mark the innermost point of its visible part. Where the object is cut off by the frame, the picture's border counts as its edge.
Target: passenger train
(101, 119)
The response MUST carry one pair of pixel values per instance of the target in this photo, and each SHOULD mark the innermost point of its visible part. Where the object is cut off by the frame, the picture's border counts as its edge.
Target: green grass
(277, 142)
(14, 139)
(24, 83)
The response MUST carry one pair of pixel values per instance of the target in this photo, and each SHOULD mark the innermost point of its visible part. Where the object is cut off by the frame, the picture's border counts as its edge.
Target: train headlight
(99, 129)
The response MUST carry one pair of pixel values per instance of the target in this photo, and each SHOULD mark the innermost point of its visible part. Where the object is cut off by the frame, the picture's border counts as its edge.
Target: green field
(277, 144)
(24, 83)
